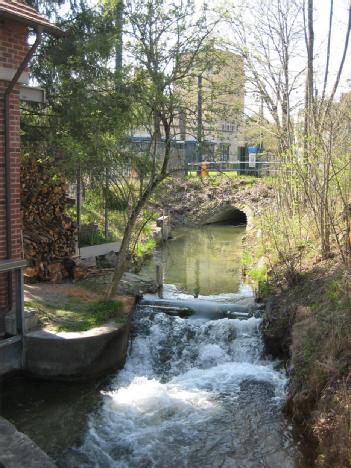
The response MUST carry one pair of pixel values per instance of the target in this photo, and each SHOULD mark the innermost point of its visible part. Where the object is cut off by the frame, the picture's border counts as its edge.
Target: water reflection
(202, 261)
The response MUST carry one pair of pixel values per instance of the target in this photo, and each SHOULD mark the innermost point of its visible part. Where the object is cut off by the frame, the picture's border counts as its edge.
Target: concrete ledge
(10, 355)
(76, 356)
(19, 451)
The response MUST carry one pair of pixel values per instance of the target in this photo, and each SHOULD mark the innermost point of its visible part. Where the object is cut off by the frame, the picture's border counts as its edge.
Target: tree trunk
(122, 257)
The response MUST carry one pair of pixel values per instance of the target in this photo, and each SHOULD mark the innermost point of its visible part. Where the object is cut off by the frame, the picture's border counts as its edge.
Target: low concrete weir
(71, 356)
(199, 308)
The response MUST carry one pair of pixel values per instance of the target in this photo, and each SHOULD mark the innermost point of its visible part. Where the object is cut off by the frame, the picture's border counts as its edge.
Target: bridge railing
(259, 168)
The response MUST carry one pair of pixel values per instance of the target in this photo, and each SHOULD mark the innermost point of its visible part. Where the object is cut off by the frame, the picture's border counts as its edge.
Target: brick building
(17, 20)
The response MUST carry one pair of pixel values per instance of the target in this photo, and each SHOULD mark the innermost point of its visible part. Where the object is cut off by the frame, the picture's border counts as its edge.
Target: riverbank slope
(307, 322)
(309, 325)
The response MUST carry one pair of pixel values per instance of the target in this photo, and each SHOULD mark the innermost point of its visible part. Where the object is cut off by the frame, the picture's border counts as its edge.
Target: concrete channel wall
(73, 356)
(10, 355)
(19, 451)
(76, 356)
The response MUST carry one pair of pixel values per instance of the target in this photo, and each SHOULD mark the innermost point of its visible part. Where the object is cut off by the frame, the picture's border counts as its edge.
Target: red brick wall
(13, 44)
(13, 40)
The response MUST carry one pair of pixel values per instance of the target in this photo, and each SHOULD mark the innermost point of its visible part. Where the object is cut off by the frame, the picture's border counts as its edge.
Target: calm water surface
(193, 393)
(205, 260)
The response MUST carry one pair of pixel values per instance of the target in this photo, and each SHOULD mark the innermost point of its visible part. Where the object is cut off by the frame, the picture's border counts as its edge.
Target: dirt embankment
(194, 201)
(309, 325)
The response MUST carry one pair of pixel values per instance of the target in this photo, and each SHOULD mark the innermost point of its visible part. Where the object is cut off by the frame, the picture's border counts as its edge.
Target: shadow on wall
(230, 216)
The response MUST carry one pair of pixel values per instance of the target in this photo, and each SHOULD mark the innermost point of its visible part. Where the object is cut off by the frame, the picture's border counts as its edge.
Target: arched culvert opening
(232, 216)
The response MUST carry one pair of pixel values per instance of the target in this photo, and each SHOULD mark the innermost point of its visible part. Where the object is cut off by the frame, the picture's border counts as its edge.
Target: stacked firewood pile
(48, 233)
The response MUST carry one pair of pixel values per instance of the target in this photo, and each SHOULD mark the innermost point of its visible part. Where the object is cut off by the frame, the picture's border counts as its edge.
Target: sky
(321, 28)
(338, 38)
(321, 25)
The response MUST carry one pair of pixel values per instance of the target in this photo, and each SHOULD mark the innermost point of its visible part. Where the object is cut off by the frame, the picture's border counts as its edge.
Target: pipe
(7, 145)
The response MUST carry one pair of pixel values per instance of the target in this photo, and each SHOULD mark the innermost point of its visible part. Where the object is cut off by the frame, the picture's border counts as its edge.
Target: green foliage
(332, 291)
(145, 248)
(255, 268)
(115, 202)
(92, 238)
(246, 260)
(92, 211)
(90, 106)
(286, 240)
(259, 274)
(102, 311)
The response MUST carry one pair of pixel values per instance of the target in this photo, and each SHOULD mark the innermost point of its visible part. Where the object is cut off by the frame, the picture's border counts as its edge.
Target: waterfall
(194, 392)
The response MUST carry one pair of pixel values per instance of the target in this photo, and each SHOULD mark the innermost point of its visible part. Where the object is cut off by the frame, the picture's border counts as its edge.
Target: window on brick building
(224, 151)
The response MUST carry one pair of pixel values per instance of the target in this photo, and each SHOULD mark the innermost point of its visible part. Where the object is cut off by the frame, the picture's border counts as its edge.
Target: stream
(194, 392)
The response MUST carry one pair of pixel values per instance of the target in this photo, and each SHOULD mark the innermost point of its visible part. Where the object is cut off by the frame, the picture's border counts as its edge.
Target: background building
(214, 108)
(209, 124)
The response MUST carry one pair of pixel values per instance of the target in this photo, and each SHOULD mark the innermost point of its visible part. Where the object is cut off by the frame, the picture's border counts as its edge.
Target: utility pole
(182, 129)
(119, 42)
(78, 196)
(107, 179)
(118, 68)
(261, 124)
(199, 118)
(78, 204)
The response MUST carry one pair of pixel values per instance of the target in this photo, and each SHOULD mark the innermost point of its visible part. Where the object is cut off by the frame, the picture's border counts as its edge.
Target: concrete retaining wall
(10, 355)
(75, 356)
(19, 451)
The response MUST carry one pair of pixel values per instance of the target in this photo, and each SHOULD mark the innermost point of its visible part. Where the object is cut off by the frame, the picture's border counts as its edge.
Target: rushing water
(194, 392)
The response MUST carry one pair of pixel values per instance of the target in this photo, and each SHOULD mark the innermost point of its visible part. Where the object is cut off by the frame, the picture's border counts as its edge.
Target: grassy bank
(307, 323)
(69, 308)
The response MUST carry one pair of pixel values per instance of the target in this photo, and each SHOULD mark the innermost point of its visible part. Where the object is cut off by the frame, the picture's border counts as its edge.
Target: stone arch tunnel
(228, 215)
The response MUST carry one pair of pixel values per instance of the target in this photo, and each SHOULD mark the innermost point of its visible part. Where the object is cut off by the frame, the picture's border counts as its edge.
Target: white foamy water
(193, 393)
(244, 296)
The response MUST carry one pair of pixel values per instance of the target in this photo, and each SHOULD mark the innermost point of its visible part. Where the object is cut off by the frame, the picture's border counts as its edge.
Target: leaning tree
(165, 43)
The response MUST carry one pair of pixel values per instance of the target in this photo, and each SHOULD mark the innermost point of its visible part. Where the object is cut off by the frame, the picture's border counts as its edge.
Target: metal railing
(258, 168)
